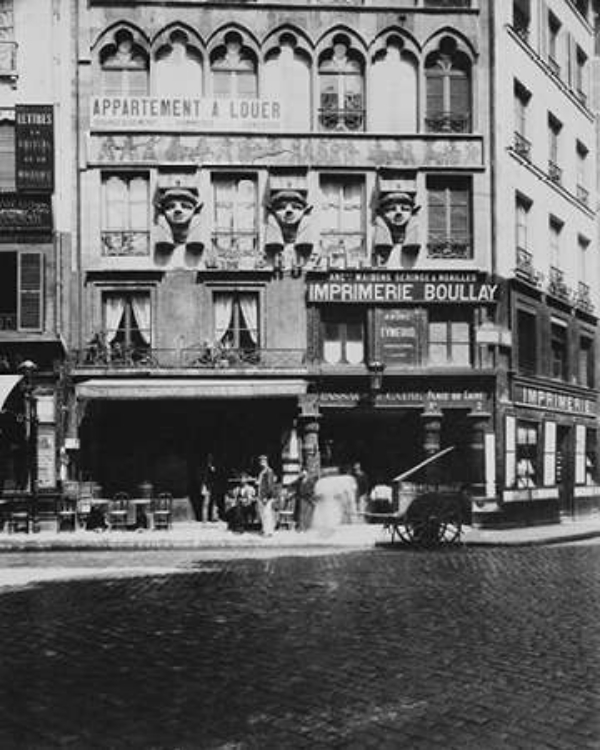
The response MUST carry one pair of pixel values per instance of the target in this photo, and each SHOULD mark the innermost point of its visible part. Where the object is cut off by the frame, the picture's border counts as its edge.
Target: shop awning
(7, 383)
(163, 388)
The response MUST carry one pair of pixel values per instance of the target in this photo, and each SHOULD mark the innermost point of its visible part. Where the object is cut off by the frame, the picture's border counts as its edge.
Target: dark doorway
(564, 469)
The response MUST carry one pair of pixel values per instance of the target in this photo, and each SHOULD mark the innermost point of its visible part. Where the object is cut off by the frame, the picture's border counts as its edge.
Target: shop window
(233, 68)
(449, 338)
(393, 83)
(527, 342)
(127, 324)
(124, 67)
(177, 69)
(343, 337)
(558, 349)
(125, 214)
(236, 318)
(343, 218)
(235, 235)
(586, 361)
(341, 88)
(7, 155)
(591, 456)
(448, 88)
(21, 291)
(287, 77)
(449, 217)
(527, 467)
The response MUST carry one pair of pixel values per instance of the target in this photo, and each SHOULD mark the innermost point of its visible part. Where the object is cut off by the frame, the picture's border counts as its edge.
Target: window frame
(342, 318)
(527, 354)
(127, 292)
(528, 451)
(559, 349)
(451, 186)
(342, 182)
(441, 315)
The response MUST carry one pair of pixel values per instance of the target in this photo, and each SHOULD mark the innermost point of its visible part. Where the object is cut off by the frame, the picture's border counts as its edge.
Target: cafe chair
(162, 511)
(66, 514)
(118, 511)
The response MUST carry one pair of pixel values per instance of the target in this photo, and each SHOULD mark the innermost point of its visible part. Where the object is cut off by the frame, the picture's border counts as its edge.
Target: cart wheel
(434, 520)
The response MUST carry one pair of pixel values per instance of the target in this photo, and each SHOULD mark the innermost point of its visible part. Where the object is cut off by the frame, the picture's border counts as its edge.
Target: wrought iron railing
(522, 145)
(341, 119)
(205, 356)
(521, 29)
(8, 322)
(557, 285)
(583, 195)
(583, 299)
(236, 249)
(554, 66)
(448, 122)
(344, 249)
(449, 246)
(125, 242)
(554, 172)
(582, 96)
(8, 57)
(525, 268)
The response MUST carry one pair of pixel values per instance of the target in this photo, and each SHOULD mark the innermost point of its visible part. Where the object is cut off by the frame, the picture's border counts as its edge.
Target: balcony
(582, 96)
(521, 29)
(522, 146)
(348, 119)
(583, 299)
(208, 356)
(236, 250)
(445, 247)
(525, 269)
(125, 242)
(557, 286)
(448, 122)
(344, 249)
(555, 172)
(583, 195)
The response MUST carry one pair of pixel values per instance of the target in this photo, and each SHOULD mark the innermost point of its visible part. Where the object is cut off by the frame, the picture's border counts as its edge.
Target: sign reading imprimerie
(184, 113)
(421, 289)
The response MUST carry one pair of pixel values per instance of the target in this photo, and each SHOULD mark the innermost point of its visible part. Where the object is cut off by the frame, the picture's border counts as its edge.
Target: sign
(184, 113)
(34, 148)
(312, 149)
(398, 336)
(458, 398)
(46, 457)
(554, 400)
(376, 292)
(24, 214)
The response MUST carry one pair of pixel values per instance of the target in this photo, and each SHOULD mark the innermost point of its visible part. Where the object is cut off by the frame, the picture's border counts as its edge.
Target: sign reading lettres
(34, 148)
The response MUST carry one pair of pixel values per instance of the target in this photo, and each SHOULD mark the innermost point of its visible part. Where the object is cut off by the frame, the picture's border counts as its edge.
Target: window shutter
(435, 94)
(30, 291)
(7, 156)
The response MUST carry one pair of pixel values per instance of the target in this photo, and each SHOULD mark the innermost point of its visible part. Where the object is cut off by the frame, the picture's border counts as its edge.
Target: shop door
(564, 469)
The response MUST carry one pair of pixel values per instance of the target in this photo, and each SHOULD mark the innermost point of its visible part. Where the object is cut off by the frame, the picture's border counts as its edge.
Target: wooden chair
(118, 511)
(162, 511)
(66, 514)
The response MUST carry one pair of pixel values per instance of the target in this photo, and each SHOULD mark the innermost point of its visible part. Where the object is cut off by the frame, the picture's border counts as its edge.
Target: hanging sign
(34, 148)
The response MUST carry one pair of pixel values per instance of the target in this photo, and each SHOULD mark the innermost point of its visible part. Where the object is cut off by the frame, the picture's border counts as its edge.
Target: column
(432, 427)
(308, 424)
(479, 421)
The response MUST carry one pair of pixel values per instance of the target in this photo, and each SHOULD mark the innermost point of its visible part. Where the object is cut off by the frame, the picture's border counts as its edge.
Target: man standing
(362, 490)
(266, 496)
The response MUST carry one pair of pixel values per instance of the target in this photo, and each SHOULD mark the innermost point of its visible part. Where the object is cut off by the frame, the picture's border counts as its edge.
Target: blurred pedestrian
(266, 492)
(362, 490)
(304, 492)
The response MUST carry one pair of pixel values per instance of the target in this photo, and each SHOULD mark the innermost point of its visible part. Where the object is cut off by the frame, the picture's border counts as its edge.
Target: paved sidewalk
(191, 535)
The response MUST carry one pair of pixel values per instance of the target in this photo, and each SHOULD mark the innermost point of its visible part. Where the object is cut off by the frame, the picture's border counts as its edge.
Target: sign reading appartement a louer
(184, 113)
(34, 148)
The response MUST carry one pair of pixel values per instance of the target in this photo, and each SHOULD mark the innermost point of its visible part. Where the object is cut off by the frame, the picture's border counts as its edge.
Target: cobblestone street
(496, 648)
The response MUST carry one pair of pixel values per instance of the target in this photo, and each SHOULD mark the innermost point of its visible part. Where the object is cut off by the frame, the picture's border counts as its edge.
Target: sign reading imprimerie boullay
(399, 288)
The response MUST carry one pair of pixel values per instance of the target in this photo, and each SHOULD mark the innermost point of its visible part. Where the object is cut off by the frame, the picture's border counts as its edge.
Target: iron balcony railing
(525, 267)
(554, 66)
(125, 242)
(448, 122)
(521, 29)
(584, 298)
(206, 356)
(554, 172)
(342, 119)
(582, 96)
(455, 245)
(557, 285)
(583, 195)
(522, 146)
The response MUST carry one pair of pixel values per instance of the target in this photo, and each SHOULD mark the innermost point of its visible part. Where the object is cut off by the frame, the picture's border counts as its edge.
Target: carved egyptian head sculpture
(289, 207)
(179, 206)
(289, 232)
(395, 228)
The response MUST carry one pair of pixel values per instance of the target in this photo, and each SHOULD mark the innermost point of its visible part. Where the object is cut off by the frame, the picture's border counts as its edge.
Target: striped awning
(139, 389)
(7, 383)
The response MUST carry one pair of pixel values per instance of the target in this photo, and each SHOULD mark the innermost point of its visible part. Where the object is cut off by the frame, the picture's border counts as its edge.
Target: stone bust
(396, 241)
(289, 207)
(397, 209)
(179, 206)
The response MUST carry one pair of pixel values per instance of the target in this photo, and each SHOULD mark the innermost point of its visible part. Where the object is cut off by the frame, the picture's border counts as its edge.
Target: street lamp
(27, 369)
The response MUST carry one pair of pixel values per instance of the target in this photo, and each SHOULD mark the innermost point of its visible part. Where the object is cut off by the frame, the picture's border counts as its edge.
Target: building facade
(35, 127)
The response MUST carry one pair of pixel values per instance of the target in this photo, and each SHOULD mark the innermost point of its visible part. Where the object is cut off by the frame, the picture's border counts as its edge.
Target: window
(233, 69)
(124, 67)
(341, 88)
(287, 77)
(586, 361)
(448, 87)
(343, 218)
(235, 236)
(7, 155)
(177, 69)
(581, 75)
(582, 191)
(8, 45)
(236, 319)
(449, 337)
(393, 89)
(21, 291)
(558, 349)
(554, 128)
(125, 214)
(449, 217)
(522, 98)
(522, 209)
(521, 18)
(127, 324)
(526, 342)
(343, 337)
(553, 32)
(527, 455)
(555, 231)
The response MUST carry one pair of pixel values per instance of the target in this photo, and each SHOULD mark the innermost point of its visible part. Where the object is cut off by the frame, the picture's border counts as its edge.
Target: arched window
(394, 89)
(448, 84)
(287, 79)
(124, 67)
(177, 69)
(341, 88)
(234, 69)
